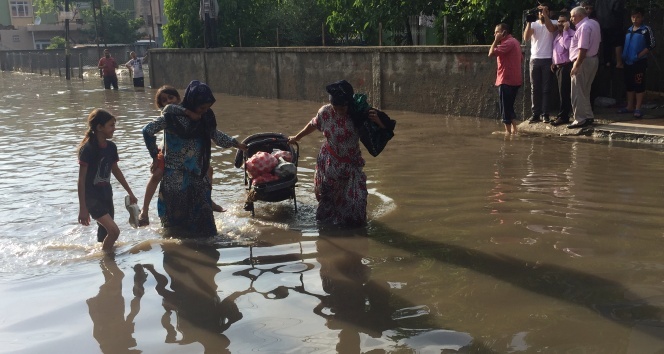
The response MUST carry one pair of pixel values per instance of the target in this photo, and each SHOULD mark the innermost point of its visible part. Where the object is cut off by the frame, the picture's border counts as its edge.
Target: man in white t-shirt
(540, 34)
(135, 66)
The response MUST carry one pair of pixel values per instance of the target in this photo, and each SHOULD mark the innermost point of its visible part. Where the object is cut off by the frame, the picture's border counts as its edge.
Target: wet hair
(96, 118)
(169, 90)
(638, 10)
(505, 27)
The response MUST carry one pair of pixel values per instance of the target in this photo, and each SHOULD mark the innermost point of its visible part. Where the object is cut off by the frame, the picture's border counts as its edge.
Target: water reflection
(354, 303)
(111, 329)
(200, 316)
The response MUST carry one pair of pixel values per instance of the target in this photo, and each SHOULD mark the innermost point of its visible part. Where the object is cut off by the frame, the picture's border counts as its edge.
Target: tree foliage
(298, 22)
(57, 42)
(184, 28)
(118, 27)
(254, 23)
(356, 18)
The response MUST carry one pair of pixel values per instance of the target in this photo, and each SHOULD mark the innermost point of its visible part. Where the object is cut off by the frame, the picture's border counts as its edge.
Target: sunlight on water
(475, 242)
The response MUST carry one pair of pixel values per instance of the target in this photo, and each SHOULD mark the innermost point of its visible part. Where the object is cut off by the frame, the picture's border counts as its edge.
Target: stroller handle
(268, 140)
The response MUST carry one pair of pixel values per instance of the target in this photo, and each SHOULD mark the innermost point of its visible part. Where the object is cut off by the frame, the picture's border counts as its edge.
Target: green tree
(357, 18)
(256, 22)
(118, 27)
(184, 28)
(57, 42)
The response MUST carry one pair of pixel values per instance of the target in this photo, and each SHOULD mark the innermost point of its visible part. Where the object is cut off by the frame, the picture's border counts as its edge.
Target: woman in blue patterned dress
(185, 192)
(339, 182)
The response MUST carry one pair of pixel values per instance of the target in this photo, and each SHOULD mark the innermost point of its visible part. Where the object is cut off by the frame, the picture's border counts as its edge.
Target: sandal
(624, 110)
(143, 219)
(638, 113)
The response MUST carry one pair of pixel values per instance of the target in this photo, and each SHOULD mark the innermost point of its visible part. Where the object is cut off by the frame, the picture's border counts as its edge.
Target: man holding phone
(507, 51)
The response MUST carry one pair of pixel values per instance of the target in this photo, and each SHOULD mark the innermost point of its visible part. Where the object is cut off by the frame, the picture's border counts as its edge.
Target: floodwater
(476, 242)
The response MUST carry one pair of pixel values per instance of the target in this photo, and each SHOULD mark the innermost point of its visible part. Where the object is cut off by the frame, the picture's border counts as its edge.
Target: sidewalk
(611, 125)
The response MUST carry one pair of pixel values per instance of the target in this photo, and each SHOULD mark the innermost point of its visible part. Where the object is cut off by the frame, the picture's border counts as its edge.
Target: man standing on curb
(108, 65)
(507, 51)
(583, 53)
(540, 34)
(562, 66)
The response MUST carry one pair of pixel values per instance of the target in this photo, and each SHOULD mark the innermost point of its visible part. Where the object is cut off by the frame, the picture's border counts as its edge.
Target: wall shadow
(605, 297)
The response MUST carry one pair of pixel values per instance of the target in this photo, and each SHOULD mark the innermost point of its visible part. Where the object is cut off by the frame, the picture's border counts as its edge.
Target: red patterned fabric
(261, 163)
(339, 183)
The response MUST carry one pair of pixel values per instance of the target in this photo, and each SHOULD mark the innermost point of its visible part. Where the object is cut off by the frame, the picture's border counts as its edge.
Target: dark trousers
(565, 89)
(111, 80)
(507, 96)
(540, 83)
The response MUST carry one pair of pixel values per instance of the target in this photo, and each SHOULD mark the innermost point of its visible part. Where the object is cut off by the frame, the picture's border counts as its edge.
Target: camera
(532, 15)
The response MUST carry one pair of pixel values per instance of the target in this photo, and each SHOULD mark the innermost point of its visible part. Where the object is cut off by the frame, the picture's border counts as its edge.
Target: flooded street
(476, 242)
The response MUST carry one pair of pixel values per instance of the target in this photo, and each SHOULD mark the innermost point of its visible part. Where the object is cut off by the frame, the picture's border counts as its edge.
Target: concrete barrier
(450, 80)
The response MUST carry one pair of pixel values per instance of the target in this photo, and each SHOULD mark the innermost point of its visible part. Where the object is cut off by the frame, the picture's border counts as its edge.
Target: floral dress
(339, 183)
(185, 190)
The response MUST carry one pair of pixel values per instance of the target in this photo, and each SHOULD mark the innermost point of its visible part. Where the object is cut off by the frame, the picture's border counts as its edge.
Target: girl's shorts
(98, 207)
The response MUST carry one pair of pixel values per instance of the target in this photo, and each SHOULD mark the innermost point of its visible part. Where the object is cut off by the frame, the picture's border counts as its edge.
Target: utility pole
(67, 54)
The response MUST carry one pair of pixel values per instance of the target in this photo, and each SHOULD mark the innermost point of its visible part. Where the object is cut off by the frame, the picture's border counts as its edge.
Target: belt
(563, 64)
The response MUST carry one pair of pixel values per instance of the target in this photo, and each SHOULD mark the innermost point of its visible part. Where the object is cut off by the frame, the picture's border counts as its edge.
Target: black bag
(373, 137)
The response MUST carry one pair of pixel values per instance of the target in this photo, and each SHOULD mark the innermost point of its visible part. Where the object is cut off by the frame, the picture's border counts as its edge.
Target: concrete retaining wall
(451, 80)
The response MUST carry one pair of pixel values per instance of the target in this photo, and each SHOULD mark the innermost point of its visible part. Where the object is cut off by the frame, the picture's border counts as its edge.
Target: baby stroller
(272, 191)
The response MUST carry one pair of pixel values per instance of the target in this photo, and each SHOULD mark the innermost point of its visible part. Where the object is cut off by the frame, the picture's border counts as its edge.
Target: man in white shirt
(540, 33)
(135, 66)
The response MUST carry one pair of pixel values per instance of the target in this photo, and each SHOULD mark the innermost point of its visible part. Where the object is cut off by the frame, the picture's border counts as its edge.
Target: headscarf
(341, 92)
(196, 94)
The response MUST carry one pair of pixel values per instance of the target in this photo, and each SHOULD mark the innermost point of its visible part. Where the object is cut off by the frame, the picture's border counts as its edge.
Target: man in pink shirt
(507, 51)
(562, 66)
(583, 53)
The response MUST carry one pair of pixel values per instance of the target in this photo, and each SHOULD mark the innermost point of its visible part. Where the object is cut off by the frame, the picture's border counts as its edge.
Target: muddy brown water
(475, 243)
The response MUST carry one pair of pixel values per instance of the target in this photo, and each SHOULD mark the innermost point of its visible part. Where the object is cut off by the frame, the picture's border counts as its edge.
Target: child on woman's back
(98, 158)
(166, 99)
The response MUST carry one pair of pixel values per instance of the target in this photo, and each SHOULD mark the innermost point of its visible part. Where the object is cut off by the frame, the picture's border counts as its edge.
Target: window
(42, 44)
(20, 8)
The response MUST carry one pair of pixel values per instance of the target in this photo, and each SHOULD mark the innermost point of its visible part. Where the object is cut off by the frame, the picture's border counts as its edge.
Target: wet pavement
(611, 125)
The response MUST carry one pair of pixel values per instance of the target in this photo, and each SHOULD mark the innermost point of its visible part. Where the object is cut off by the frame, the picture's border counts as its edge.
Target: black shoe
(546, 119)
(575, 125)
(534, 119)
(560, 121)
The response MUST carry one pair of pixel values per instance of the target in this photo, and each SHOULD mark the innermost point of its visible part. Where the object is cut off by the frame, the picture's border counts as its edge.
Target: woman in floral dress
(185, 192)
(339, 183)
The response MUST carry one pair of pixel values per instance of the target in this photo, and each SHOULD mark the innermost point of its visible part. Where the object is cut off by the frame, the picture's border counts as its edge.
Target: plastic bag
(281, 153)
(261, 163)
(285, 169)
